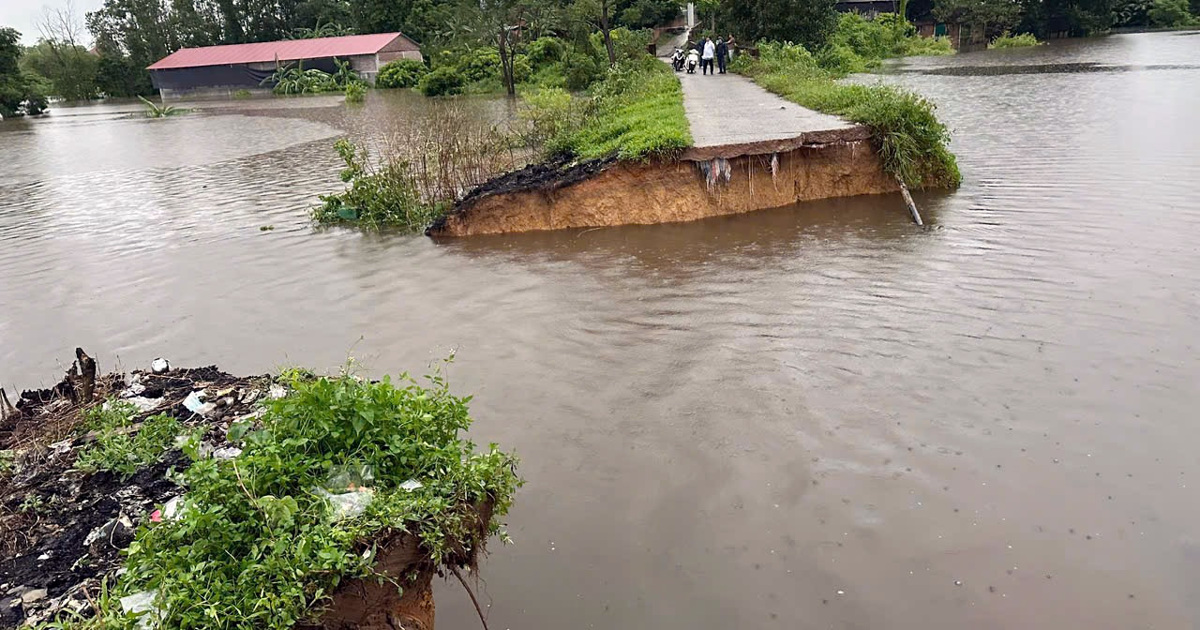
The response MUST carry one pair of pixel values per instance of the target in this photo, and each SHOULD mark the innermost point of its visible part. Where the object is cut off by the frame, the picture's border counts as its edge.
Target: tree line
(129, 35)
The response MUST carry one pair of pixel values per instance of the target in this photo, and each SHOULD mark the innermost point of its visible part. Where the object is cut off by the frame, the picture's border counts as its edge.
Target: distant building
(868, 8)
(226, 69)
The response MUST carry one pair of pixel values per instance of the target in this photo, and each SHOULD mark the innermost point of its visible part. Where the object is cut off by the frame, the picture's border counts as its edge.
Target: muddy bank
(64, 526)
(706, 182)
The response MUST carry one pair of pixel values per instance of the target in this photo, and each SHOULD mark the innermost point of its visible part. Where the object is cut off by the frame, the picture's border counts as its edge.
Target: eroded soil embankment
(640, 193)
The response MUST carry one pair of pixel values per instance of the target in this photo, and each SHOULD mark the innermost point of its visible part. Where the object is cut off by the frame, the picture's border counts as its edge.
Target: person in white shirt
(706, 58)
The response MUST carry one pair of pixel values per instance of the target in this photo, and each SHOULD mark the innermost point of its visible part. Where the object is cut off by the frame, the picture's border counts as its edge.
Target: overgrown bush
(257, 544)
(356, 93)
(443, 81)
(1171, 14)
(1008, 40)
(580, 70)
(859, 44)
(120, 447)
(634, 112)
(911, 141)
(546, 50)
(401, 73)
(289, 79)
(385, 195)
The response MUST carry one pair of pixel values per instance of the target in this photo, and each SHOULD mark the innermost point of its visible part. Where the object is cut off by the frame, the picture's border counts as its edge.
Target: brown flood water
(813, 417)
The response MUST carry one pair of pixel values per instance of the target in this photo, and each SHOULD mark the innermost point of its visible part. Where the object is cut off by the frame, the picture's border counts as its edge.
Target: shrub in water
(356, 93)
(1008, 40)
(401, 73)
(443, 81)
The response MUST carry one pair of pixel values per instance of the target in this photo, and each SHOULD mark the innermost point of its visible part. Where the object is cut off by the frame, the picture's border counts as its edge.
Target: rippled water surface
(812, 417)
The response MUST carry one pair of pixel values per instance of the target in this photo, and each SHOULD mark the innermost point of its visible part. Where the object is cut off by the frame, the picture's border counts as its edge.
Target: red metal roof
(287, 50)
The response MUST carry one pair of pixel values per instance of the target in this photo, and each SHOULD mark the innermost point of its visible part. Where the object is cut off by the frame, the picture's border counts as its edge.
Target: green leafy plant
(154, 110)
(1008, 40)
(401, 73)
(444, 81)
(31, 504)
(242, 94)
(386, 195)
(356, 93)
(288, 79)
(256, 544)
(121, 447)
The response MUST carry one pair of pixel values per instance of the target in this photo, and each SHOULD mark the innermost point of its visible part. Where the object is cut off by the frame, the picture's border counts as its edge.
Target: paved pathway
(729, 110)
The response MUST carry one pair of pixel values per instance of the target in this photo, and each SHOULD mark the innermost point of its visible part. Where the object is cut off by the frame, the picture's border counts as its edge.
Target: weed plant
(154, 110)
(1008, 40)
(120, 449)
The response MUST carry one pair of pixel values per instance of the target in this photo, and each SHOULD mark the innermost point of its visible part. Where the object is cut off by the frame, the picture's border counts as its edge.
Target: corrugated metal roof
(287, 50)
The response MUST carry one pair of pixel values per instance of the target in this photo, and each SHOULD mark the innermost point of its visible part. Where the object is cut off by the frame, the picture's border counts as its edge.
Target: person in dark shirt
(722, 55)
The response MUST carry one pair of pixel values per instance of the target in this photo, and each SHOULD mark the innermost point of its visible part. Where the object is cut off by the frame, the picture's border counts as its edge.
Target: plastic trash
(276, 391)
(349, 477)
(195, 403)
(142, 403)
(141, 603)
(170, 510)
(159, 365)
(62, 447)
(348, 504)
(411, 484)
(135, 387)
(228, 452)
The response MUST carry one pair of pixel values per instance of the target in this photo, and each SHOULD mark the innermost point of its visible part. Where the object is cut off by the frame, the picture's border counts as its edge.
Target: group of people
(704, 54)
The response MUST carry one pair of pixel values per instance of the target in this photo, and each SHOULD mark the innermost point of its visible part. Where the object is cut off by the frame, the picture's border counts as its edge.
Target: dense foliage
(20, 92)
(70, 68)
(807, 22)
(401, 73)
(911, 140)
(859, 44)
(295, 79)
(1046, 18)
(258, 540)
(377, 196)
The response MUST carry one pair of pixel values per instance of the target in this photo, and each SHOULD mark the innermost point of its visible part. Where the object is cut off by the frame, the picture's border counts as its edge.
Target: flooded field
(811, 417)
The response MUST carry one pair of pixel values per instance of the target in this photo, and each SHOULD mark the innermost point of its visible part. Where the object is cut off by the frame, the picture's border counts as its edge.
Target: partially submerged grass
(1008, 40)
(635, 112)
(911, 141)
(419, 173)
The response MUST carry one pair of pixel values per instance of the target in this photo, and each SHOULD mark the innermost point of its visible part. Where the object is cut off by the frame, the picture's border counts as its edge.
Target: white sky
(24, 15)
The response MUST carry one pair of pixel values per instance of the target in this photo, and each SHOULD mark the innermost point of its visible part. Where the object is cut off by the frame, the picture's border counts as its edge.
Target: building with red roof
(233, 67)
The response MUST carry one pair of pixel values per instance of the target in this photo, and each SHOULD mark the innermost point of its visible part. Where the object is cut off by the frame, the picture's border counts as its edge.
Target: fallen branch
(908, 201)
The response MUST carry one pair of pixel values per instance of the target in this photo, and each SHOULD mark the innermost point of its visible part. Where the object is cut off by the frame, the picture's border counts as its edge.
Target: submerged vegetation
(291, 79)
(912, 142)
(859, 44)
(420, 174)
(154, 110)
(1008, 40)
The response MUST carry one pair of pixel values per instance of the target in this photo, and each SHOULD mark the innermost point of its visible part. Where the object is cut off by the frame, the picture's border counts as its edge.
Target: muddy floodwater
(811, 417)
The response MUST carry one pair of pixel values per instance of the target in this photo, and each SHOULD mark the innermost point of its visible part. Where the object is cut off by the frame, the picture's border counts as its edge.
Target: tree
(992, 16)
(60, 57)
(598, 15)
(806, 22)
(1170, 13)
(20, 92)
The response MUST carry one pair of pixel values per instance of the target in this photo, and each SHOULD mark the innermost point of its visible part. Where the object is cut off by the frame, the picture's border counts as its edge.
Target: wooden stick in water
(908, 201)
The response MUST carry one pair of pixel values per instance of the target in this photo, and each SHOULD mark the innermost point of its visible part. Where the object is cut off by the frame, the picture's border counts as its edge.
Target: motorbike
(693, 62)
(677, 59)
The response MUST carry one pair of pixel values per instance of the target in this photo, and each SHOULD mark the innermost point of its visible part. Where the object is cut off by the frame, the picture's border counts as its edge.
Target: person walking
(722, 55)
(706, 58)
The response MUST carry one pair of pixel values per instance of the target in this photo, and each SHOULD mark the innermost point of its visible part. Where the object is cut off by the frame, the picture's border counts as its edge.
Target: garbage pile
(61, 529)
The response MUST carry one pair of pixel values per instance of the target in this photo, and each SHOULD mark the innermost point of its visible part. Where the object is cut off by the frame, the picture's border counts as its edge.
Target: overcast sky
(24, 15)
